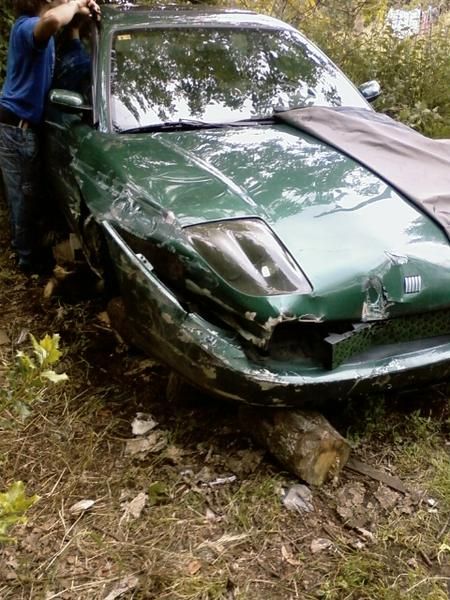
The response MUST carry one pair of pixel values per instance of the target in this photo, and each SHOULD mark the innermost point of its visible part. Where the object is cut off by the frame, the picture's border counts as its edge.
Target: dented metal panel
(337, 306)
(213, 358)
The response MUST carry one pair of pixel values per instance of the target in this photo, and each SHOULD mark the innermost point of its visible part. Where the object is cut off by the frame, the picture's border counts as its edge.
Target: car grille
(333, 343)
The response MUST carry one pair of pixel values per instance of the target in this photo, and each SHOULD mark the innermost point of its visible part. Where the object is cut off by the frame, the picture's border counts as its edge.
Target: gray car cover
(416, 166)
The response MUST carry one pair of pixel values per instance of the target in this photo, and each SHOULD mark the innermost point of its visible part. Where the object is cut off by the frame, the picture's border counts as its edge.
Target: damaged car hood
(278, 174)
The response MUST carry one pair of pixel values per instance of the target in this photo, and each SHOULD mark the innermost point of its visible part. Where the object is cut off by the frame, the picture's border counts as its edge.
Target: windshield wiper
(251, 121)
(192, 124)
(181, 125)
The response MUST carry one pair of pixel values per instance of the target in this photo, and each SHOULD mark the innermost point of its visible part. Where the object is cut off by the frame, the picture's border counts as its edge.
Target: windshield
(218, 75)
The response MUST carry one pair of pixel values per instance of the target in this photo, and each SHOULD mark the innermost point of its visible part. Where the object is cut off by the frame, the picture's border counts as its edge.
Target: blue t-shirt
(29, 72)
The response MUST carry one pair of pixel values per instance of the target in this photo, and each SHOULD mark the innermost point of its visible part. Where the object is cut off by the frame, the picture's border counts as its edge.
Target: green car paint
(353, 326)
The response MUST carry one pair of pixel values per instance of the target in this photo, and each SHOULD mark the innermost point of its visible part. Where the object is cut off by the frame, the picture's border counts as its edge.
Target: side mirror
(68, 101)
(370, 90)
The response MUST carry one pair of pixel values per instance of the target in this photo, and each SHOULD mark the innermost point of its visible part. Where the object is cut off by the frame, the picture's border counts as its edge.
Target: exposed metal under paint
(376, 304)
(397, 259)
(295, 276)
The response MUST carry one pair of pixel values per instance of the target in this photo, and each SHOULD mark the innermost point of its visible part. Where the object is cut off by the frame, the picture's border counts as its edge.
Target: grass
(194, 540)
(368, 578)
(404, 562)
(410, 558)
(440, 479)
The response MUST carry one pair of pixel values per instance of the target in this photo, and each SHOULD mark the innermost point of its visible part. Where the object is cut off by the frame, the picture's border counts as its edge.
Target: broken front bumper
(214, 360)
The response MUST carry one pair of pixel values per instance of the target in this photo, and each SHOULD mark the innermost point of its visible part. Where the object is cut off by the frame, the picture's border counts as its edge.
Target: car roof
(158, 7)
(127, 14)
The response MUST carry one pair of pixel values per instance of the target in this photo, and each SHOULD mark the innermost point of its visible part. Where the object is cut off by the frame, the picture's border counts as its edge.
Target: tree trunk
(304, 442)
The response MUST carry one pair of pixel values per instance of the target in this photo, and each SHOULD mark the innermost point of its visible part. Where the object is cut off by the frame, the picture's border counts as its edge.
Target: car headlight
(248, 256)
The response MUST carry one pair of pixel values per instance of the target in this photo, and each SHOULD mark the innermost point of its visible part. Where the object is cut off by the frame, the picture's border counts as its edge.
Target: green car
(261, 264)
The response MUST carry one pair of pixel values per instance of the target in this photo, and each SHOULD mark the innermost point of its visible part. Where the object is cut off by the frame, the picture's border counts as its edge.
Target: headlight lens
(248, 256)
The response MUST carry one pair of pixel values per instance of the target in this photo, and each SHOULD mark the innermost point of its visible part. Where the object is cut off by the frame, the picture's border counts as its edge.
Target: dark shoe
(34, 267)
(26, 266)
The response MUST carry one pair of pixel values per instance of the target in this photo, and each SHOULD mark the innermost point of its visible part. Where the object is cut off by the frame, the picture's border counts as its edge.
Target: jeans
(20, 166)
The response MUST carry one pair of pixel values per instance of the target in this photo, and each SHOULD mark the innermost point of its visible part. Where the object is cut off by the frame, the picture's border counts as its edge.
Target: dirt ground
(197, 511)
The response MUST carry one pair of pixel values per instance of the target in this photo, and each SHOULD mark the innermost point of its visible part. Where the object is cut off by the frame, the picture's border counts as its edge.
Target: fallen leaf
(219, 545)
(154, 442)
(350, 501)
(211, 515)
(320, 544)
(50, 288)
(103, 317)
(22, 337)
(135, 507)
(126, 584)
(245, 462)
(54, 377)
(299, 498)
(386, 497)
(287, 556)
(142, 424)
(81, 506)
(174, 454)
(60, 273)
(222, 480)
(358, 545)
(366, 534)
(194, 567)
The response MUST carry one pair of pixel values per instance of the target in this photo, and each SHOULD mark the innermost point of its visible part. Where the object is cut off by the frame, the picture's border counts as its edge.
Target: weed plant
(13, 505)
(27, 380)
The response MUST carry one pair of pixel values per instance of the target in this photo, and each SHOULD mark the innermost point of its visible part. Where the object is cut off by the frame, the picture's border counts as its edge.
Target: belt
(9, 118)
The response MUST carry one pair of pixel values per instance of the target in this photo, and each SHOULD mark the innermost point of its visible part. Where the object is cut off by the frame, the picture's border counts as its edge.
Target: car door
(64, 128)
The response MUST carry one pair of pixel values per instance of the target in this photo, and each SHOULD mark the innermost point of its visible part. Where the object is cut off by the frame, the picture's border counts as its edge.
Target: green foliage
(414, 72)
(6, 20)
(13, 505)
(28, 378)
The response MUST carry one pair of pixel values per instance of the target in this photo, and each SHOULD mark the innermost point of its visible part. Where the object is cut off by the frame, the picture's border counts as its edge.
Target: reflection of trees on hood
(183, 73)
(287, 171)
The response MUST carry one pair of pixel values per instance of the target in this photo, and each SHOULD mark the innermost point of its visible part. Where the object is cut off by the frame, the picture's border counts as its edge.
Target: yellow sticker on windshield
(125, 36)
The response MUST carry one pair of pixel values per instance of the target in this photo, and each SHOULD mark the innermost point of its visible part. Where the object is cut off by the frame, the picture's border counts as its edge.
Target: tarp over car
(416, 166)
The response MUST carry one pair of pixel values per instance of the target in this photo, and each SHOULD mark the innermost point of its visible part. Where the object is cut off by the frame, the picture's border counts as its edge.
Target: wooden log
(304, 442)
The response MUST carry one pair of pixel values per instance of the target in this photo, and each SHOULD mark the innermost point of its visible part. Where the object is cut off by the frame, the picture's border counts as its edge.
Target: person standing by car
(73, 63)
(30, 64)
